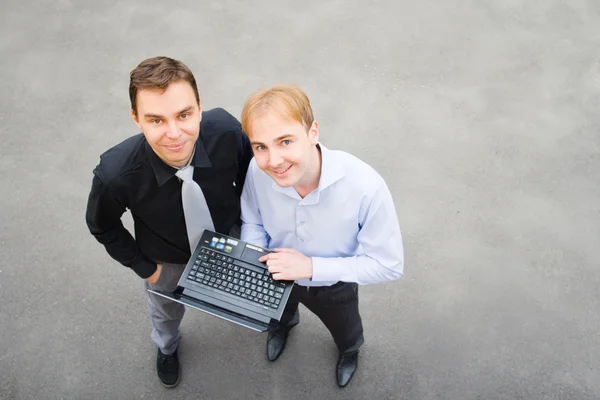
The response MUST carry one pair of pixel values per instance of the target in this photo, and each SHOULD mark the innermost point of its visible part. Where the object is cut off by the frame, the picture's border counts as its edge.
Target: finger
(278, 277)
(270, 256)
(272, 263)
(273, 269)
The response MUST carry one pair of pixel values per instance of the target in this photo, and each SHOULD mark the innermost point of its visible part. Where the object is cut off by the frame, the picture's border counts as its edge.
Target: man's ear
(313, 133)
(135, 119)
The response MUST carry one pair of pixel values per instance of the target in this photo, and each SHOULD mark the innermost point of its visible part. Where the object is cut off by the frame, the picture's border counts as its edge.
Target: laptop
(224, 278)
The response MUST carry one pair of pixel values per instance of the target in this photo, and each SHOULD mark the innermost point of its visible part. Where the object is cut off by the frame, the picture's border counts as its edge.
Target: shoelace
(167, 360)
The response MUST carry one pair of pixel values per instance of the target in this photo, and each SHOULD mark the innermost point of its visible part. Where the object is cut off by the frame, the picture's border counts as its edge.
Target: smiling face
(170, 121)
(285, 150)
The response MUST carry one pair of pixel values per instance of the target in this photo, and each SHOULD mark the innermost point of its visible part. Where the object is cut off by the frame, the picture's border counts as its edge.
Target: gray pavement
(483, 117)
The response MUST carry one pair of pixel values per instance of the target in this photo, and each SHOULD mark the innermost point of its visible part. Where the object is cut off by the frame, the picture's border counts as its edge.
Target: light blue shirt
(348, 225)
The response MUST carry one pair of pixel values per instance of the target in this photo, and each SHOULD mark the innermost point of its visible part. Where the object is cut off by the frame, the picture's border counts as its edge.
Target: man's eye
(260, 147)
(183, 116)
(286, 142)
(156, 121)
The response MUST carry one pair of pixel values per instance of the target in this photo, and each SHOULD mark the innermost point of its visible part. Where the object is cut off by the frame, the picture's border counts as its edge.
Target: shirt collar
(331, 172)
(164, 172)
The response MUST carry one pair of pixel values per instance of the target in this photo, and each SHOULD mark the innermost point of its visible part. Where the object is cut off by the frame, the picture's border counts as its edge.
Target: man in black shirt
(139, 174)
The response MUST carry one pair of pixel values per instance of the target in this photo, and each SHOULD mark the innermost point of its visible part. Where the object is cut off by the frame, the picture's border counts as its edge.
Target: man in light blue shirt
(328, 216)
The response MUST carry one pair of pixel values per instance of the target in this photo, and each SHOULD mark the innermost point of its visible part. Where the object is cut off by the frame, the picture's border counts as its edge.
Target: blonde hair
(288, 100)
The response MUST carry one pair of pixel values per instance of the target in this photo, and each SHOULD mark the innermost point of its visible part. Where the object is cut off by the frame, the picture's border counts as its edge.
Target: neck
(184, 164)
(313, 175)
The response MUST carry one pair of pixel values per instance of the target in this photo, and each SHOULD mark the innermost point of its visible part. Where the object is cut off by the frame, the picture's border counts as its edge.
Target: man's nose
(173, 131)
(275, 159)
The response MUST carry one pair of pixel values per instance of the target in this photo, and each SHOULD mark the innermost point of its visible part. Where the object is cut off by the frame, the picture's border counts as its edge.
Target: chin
(285, 182)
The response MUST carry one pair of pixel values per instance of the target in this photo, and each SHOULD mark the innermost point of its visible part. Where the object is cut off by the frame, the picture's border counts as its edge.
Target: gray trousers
(166, 315)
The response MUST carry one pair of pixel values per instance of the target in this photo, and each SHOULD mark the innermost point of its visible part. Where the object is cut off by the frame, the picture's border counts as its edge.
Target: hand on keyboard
(288, 264)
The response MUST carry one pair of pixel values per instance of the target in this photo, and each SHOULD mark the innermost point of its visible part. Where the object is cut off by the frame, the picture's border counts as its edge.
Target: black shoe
(346, 367)
(167, 367)
(276, 343)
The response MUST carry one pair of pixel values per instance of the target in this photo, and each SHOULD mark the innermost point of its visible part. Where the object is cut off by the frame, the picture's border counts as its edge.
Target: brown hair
(288, 100)
(157, 73)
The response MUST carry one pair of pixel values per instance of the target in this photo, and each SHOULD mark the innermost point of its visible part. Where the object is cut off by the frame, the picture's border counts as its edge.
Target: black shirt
(131, 176)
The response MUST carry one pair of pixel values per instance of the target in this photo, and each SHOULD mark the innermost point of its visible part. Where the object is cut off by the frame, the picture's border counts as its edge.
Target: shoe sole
(172, 385)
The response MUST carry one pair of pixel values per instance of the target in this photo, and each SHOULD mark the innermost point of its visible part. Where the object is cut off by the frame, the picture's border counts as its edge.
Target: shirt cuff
(325, 270)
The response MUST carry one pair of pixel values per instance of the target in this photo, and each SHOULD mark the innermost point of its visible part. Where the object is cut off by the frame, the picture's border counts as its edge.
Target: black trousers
(336, 306)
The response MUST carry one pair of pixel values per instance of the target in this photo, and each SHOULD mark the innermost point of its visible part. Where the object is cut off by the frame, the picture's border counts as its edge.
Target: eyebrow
(286, 136)
(280, 138)
(187, 109)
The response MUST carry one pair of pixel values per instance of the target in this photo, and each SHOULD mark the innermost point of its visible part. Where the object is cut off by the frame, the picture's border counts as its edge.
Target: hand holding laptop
(288, 264)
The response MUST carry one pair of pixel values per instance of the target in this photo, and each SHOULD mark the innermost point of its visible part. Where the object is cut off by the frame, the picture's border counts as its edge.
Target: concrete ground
(483, 117)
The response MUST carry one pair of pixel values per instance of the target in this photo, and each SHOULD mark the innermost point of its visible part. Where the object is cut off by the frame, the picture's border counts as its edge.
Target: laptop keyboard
(230, 276)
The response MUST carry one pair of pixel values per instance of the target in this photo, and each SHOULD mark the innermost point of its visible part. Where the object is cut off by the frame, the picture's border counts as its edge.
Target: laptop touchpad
(252, 256)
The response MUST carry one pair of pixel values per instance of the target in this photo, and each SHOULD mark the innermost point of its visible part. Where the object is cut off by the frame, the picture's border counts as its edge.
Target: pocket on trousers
(169, 277)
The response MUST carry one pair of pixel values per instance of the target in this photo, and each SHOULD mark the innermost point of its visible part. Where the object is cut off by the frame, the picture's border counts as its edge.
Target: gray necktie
(195, 209)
